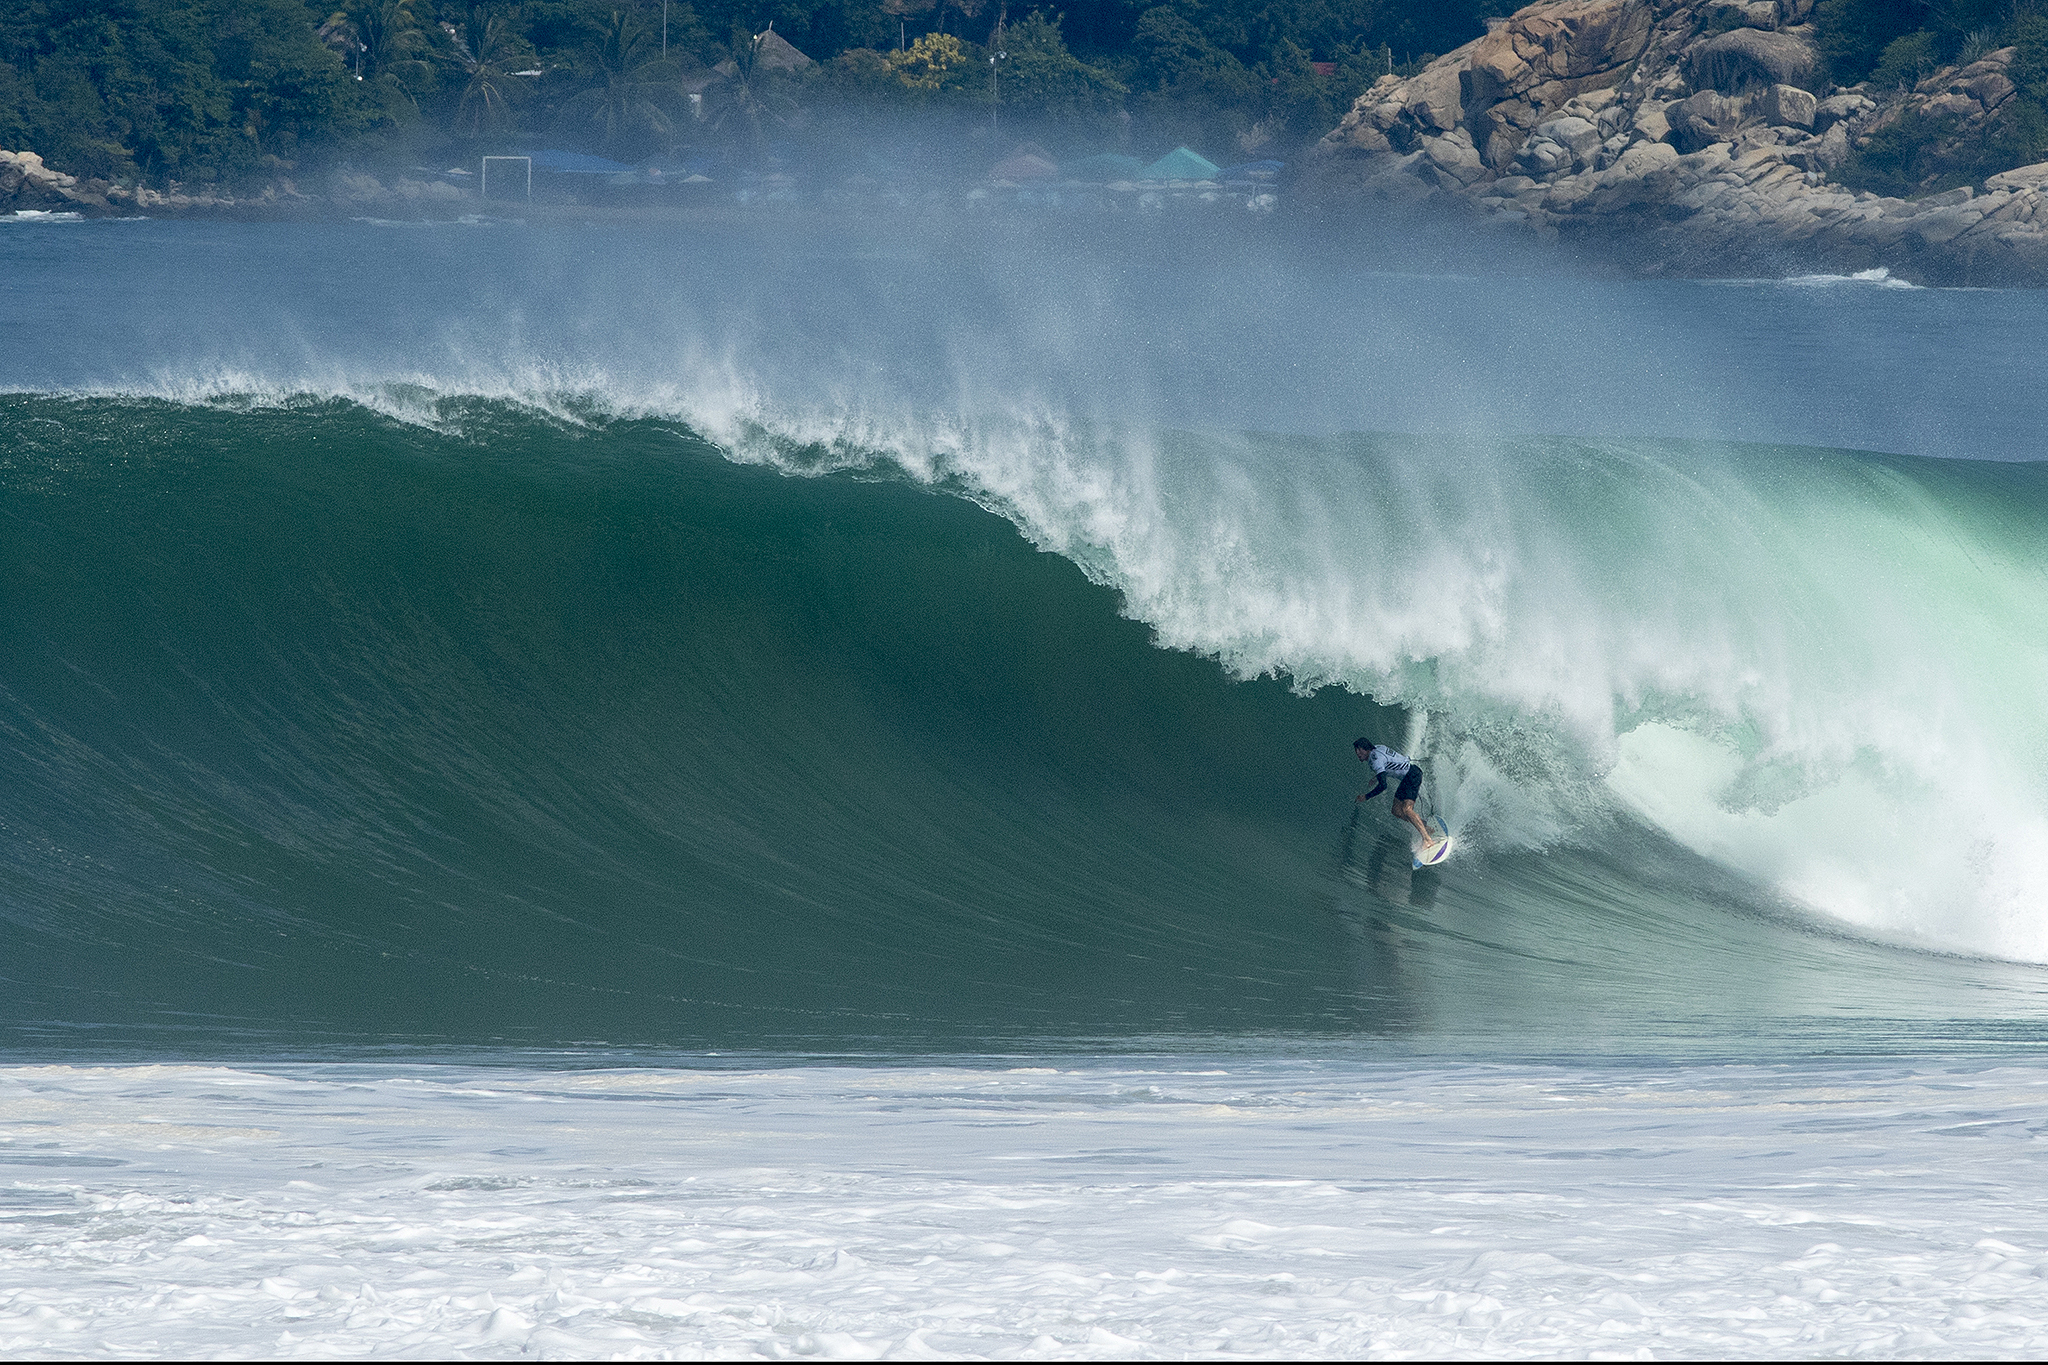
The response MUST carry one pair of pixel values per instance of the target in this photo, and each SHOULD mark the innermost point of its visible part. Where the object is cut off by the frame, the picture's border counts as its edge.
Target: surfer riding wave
(1387, 762)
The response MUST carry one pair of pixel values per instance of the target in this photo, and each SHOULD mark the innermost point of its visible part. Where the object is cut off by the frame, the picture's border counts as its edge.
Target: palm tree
(486, 48)
(391, 39)
(752, 95)
(623, 110)
(382, 43)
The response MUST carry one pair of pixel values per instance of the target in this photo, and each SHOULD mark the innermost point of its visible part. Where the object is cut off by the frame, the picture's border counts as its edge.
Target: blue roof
(576, 163)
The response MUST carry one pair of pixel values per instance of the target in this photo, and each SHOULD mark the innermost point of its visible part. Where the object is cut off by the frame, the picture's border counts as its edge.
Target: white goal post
(483, 189)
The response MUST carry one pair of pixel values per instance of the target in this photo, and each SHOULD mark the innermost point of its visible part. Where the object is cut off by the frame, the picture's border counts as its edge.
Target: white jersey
(1385, 761)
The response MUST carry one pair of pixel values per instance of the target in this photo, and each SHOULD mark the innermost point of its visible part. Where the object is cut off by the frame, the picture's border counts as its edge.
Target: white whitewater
(1825, 670)
(1117, 1209)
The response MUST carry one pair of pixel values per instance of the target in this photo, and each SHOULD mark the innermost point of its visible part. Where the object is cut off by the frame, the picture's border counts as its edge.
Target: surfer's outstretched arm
(1378, 787)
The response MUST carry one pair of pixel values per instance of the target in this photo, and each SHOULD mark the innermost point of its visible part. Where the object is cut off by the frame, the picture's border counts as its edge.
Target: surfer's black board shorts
(1411, 785)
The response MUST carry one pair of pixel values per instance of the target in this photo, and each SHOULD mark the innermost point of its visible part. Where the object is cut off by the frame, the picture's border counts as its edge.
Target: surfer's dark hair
(1361, 743)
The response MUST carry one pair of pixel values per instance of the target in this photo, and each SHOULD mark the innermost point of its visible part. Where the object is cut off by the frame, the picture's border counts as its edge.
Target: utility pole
(664, 30)
(996, 55)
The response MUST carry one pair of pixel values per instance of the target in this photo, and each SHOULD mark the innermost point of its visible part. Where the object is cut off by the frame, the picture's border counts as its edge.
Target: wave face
(543, 723)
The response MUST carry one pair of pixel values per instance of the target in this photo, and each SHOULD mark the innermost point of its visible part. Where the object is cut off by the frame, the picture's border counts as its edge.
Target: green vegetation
(216, 89)
(1907, 61)
(1889, 42)
(238, 91)
(1895, 44)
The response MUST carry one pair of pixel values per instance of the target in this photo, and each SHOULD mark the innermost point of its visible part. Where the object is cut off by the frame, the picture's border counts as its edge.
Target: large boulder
(1563, 43)
(1787, 106)
(1641, 159)
(1501, 131)
(2032, 177)
(1840, 109)
(1969, 91)
(1704, 118)
(1614, 121)
(1746, 59)
(1540, 159)
(1434, 99)
(1578, 136)
(1454, 158)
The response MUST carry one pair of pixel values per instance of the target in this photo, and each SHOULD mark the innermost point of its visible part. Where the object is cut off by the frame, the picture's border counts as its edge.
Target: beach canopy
(1251, 170)
(1024, 166)
(1105, 167)
(1181, 164)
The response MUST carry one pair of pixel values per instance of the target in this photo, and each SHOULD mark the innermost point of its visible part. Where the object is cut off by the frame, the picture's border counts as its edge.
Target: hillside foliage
(196, 91)
(1894, 45)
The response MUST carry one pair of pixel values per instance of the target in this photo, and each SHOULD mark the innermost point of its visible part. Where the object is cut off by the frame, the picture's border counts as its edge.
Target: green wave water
(325, 727)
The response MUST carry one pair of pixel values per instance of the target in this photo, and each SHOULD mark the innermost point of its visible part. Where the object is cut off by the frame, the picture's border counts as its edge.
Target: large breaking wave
(1827, 670)
(395, 711)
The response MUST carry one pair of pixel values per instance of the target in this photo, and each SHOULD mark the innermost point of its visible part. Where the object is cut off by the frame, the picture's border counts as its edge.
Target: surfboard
(1438, 852)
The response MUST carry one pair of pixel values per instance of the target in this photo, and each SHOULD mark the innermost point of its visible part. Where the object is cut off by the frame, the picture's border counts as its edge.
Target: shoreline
(1726, 212)
(1636, 228)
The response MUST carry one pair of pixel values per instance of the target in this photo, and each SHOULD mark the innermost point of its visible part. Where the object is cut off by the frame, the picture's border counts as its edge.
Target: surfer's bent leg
(1404, 805)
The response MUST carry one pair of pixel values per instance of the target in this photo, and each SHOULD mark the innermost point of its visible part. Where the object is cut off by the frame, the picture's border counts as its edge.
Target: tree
(1040, 77)
(203, 89)
(160, 89)
(1907, 61)
(753, 96)
(378, 38)
(1853, 34)
(2029, 68)
(486, 50)
(626, 110)
(383, 44)
(935, 62)
(1178, 61)
(1186, 88)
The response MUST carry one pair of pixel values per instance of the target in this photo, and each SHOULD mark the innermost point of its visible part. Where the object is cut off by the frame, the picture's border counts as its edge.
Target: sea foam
(1102, 1209)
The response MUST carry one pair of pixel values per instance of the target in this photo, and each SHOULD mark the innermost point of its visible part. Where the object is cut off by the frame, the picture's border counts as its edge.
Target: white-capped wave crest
(1824, 670)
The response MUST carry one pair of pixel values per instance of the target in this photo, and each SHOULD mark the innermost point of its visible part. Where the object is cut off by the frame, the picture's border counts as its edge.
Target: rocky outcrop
(27, 185)
(355, 190)
(1689, 137)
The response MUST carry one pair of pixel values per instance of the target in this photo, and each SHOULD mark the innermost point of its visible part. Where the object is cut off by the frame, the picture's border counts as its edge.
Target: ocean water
(789, 791)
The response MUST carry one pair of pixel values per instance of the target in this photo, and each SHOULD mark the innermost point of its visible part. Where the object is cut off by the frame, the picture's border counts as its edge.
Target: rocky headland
(29, 186)
(1689, 139)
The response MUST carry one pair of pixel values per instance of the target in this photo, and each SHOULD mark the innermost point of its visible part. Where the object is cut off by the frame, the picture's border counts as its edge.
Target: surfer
(1385, 761)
